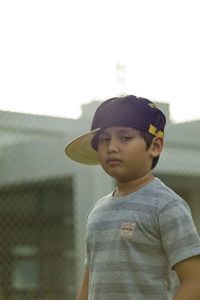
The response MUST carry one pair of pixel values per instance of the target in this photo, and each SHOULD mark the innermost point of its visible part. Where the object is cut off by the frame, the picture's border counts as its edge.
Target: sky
(56, 55)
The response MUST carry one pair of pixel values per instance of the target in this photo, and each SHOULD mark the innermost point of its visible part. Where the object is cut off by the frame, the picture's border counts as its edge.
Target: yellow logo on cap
(153, 130)
(153, 105)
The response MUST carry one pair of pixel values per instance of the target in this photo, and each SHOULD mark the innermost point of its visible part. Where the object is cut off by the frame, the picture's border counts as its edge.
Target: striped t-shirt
(133, 242)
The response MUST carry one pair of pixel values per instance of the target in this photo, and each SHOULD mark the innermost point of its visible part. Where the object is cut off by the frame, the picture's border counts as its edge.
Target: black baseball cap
(131, 111)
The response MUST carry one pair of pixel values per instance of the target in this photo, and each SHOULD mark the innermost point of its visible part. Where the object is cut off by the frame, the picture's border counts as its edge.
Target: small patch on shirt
(127, 229)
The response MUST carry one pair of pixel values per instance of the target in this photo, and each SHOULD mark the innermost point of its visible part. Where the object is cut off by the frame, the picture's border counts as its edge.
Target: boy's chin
(112, 172)
(119, 176)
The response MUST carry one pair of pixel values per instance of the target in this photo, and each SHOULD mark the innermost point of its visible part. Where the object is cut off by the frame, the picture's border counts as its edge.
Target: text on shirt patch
(127, 229)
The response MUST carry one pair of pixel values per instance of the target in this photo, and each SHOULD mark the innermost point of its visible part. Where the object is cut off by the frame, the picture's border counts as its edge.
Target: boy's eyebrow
(126, 130)
(102, 132)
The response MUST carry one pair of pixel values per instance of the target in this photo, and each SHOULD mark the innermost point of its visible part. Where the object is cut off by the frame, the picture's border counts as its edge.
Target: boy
(141, 242)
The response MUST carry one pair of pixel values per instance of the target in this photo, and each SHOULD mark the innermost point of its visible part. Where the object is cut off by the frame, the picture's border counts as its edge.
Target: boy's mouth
(113, 161)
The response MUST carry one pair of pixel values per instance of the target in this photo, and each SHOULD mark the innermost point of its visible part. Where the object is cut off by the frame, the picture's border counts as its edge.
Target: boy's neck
(126, 188)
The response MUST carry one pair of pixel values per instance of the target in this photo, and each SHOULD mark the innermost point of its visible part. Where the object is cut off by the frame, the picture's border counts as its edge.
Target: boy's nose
(112, 146)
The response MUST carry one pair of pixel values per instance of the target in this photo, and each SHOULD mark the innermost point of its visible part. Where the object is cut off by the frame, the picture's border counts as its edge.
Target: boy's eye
(125, 138)
(103, 139)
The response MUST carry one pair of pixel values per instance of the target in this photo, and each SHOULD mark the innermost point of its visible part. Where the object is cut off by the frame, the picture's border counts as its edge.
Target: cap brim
(81, 150)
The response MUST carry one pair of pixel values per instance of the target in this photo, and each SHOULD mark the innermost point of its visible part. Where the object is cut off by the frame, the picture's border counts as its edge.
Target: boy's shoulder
(98, 203)
(163, 196)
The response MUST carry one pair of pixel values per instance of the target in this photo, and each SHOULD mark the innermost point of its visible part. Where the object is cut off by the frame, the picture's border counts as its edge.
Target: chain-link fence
(40, 207)
(36, 240)
(36, 211)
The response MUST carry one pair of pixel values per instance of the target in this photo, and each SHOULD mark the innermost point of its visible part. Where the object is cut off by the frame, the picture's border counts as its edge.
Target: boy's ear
(157, 146)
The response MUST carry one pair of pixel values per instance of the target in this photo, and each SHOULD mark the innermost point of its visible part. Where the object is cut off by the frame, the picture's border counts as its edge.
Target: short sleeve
(178, 232)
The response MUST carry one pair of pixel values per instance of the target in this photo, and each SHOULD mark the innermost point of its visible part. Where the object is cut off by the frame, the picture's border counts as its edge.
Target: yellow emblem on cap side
(153, 130)
(153, 105)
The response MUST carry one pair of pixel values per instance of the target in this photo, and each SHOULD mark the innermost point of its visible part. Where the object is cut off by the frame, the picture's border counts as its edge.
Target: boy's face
(122, 153)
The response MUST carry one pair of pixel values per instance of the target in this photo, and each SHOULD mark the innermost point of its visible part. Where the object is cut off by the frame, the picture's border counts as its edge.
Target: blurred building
(44, 197)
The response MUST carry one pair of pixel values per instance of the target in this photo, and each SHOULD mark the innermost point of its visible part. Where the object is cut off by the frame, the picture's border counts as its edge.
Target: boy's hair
(148, 139)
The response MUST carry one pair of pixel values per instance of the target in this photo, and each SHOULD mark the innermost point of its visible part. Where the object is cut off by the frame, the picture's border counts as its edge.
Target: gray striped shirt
(133, 242)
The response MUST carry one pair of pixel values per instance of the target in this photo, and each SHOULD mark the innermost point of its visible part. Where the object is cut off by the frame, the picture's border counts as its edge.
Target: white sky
(55, 54)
